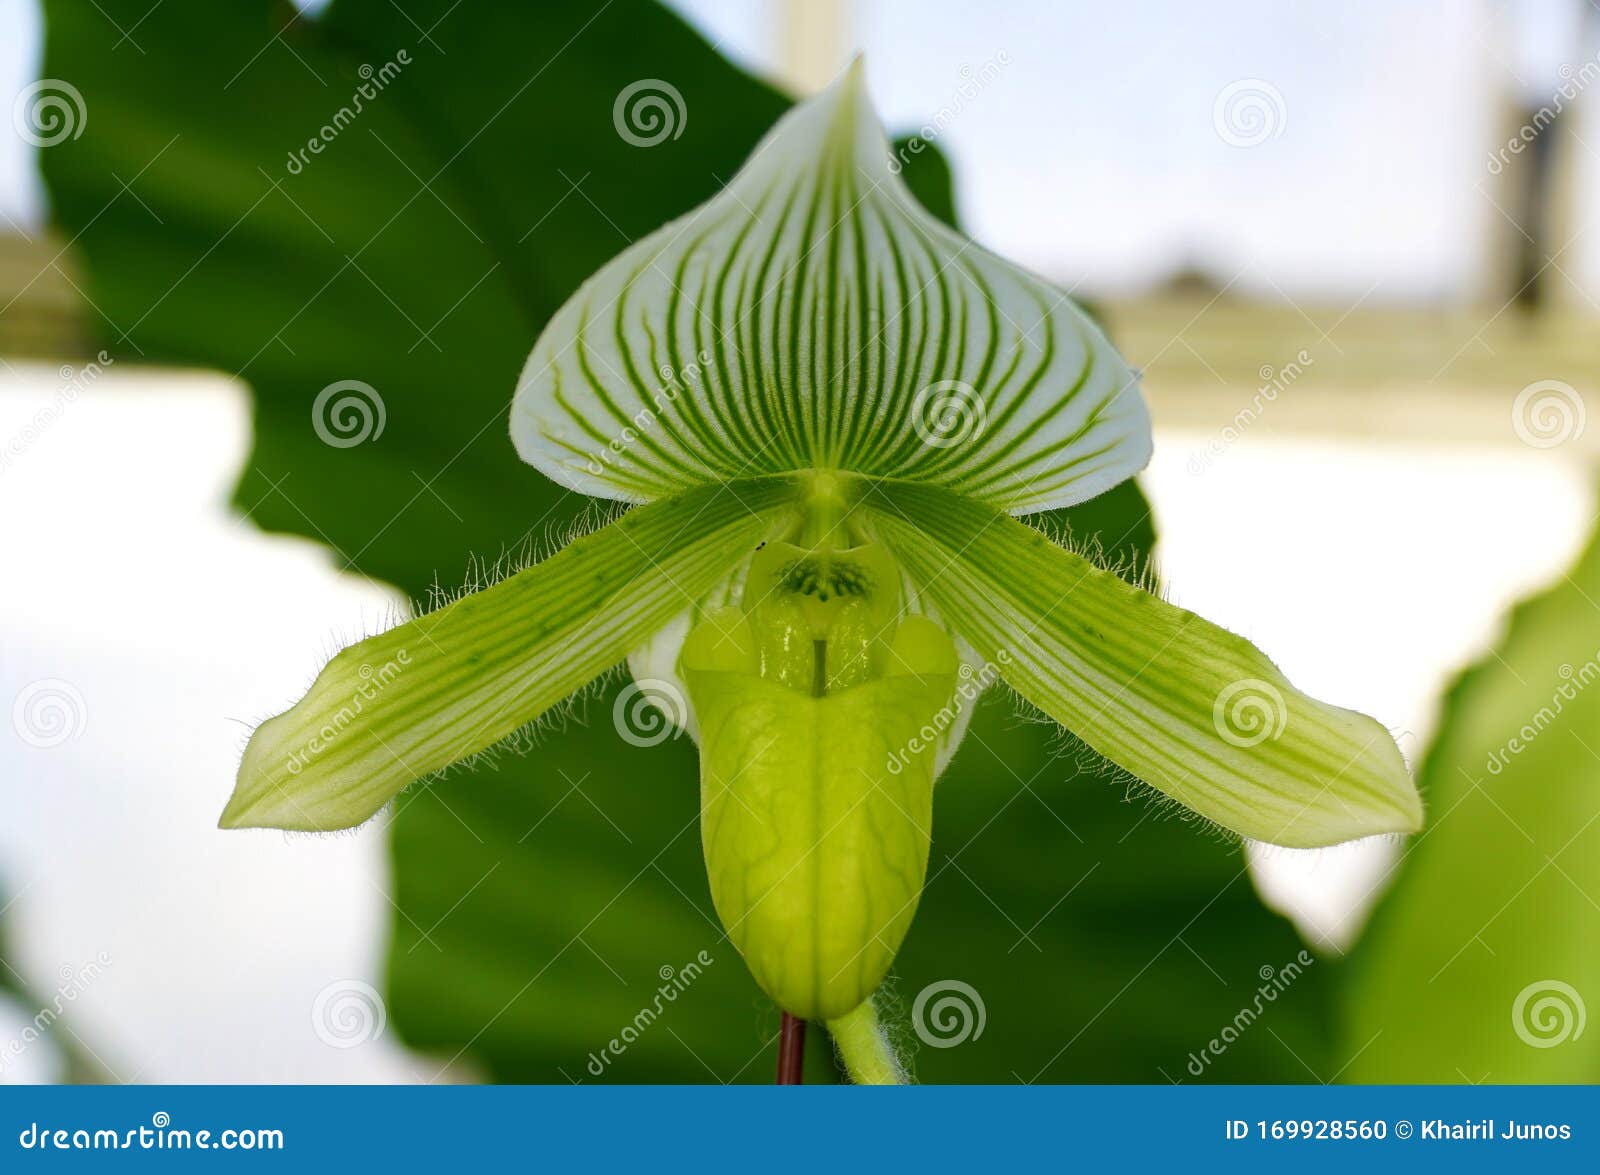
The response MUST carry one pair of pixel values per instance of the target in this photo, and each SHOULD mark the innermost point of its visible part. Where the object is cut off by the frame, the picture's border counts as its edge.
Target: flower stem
(864, 1048)
(791, 1051)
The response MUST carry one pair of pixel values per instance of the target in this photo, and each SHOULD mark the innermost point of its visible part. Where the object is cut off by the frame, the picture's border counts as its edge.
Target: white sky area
(1092, 154)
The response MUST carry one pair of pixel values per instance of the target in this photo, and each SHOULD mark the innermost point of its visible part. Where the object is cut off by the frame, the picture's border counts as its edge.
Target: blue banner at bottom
(771, 1129)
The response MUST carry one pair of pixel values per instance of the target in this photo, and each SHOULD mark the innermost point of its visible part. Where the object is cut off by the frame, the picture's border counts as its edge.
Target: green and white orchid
(830, 409)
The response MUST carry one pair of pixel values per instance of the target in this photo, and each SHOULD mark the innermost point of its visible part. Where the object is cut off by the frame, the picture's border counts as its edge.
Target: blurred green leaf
(50, 1021)
(540, 901)
(1483, 963)
(10, 979)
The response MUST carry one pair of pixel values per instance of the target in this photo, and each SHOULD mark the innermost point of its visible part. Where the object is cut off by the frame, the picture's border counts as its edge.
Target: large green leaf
(540, 903)
(1483, 964)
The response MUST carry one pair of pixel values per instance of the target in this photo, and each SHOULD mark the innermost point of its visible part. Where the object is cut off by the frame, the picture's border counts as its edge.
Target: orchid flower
(829, 410)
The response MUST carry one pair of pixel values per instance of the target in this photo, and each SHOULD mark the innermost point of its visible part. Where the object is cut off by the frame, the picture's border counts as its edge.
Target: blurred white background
(1091, 155)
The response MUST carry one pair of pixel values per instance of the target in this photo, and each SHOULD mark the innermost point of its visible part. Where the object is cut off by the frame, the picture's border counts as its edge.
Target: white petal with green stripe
(1185, 706)
(411, 701)
(814, 316)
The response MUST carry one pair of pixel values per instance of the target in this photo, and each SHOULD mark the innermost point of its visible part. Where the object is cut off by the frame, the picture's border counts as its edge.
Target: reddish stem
(791, 1050)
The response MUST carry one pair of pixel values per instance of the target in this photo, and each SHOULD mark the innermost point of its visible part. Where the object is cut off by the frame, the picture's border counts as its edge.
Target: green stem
(865, 1049)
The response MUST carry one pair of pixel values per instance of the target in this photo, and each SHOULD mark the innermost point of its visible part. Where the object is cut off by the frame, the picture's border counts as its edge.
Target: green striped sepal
(411, 701)
(1177, 702)
(813, 316)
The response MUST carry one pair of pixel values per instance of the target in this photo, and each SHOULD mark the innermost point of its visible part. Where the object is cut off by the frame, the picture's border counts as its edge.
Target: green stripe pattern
(1183, 705)
(814, 316)
(402, 705)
